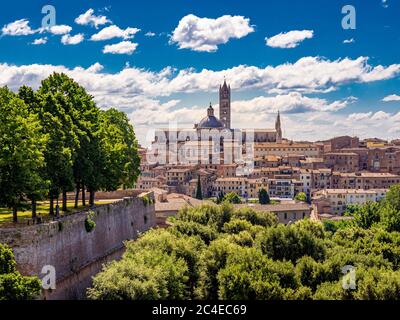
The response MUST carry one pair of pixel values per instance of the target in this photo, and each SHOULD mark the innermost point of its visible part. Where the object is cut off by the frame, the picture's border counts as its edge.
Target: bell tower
(225, 105)
(278, 128)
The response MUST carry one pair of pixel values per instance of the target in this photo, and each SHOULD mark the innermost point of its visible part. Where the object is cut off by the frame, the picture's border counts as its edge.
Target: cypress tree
(199, 193)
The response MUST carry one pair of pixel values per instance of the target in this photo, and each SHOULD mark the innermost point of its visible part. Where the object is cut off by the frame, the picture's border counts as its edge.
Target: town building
(335, 201)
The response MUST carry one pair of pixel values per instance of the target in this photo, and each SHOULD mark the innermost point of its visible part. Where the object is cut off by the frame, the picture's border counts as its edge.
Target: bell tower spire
(225, 104)
(278, 128)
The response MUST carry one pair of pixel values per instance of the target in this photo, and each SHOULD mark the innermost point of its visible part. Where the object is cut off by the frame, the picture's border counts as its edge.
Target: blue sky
(327, 88)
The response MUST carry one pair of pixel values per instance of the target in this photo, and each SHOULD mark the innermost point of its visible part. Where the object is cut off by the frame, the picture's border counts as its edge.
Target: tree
(301, 196)
(220, 197)
(13, 286)
(233, 198)
(40, 190)
(79, 119)
(390, 209)
(367, 215)
(21, 152)
(263, 196)
(120, 148)
(216, 252)
(199, 193)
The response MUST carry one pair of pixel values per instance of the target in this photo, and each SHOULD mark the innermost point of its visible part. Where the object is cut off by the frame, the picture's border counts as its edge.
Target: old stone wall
(75, 253)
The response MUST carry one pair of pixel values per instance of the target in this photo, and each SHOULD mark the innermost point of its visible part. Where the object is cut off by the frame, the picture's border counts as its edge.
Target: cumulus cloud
(152, 98)
(114, 32)
(205, 34)
(150, 34)
(124, 47)
(40, 41)
(309, 74)
(18, 28)
(67, 39)
(293, 102)
(289, 39)
(392, 97)
(89, 18)
(60, 29)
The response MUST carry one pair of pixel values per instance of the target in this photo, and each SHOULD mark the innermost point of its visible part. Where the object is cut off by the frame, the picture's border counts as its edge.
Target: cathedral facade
(211, 139)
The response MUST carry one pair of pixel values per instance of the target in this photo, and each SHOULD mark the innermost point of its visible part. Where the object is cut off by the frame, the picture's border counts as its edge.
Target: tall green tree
(199, 192)
(21, 152)
(263, 196)
(301, 196)
(233, 198)
(40, 190)
(120, 150)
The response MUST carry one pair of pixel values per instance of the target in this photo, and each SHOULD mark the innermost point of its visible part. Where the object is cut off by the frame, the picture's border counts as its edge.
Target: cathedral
(213, 135)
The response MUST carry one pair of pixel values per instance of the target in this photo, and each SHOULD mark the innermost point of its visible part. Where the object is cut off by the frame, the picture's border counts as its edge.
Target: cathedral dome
(211, 121)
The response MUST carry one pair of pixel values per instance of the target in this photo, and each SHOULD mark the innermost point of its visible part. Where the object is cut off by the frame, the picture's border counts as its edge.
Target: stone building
(212, 140)
(335, 201)
(342, 162)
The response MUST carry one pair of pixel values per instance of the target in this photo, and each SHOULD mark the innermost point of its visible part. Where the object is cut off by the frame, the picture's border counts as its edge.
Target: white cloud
(151, 98)
(40, 41)
(114, 32)
(380, 115)
(392, 97)
(150, 34)
(124, 47)
(309, 74)
(60, 29)
(72, 40)
(293, 102)
(347, 41)
(18, 28)
(289, 39)
(205, 34)
(89, 18)
(359, 116)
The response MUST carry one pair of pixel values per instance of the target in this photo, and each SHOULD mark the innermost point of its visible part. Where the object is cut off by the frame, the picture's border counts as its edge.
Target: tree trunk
(64, 201)
(34, 209)
(51, 205)
(15, 216)
(77, 195)
(83, 196)
(91, 199)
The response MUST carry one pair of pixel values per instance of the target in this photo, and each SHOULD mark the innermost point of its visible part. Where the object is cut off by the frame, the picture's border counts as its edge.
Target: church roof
(211, 121)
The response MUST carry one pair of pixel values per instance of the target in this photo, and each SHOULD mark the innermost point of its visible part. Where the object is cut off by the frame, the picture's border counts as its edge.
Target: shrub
(90, 225)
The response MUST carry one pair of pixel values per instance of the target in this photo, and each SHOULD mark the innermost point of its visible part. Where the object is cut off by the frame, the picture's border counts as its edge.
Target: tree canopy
(217, 252)
(56, 140)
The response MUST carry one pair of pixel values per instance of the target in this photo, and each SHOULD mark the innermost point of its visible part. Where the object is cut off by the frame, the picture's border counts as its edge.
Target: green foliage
(13, 286)
(263, 196)
(120, 147)
(90, 225)
(21, 152)
(233, 198)
(56, 139)
(147, 200)
(301, 196)
(216, 252)
(290, 243)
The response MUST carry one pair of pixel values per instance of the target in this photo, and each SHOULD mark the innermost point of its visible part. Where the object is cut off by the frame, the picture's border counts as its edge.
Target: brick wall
(76, 254)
